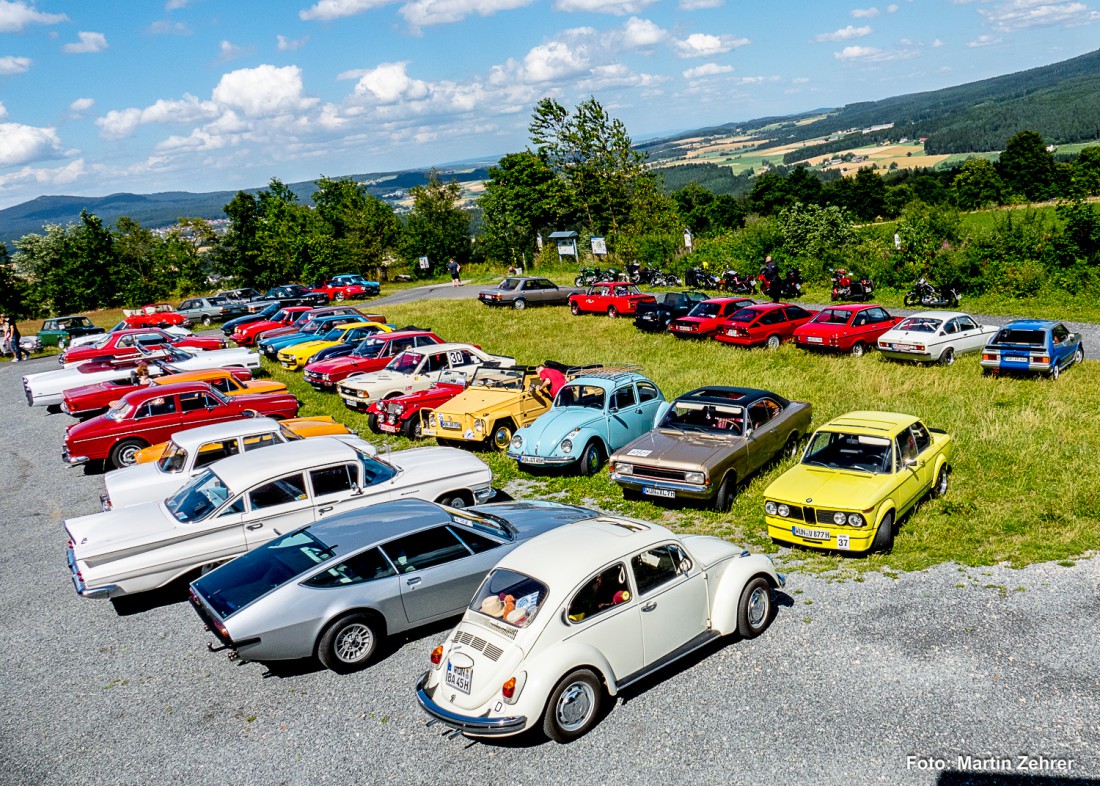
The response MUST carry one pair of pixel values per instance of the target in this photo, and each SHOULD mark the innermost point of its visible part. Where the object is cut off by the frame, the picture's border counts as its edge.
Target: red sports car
(88, 400)
(853, 328)
(764, 324)
(372, 354)
(348, 286)
(156, 315)
(124, 343)
(247, 334)
(704, 318)
(613, 298)
(151, 415)
(401, 414)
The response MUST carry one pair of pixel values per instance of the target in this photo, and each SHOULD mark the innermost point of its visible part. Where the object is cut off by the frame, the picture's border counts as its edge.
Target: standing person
(772, 286)
(455, 269)
(5, 339)
(14, 337)
(552, 380)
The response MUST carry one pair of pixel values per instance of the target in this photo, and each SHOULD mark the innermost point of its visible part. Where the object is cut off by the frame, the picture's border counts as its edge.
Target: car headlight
(783, 511)
(856, 520)
(697, 478)
(479, 425)
(399, 409)
(364, 394)
(432, 421)
(624, 469)
(567, 446)
(770, 508)
(326, 377)
(839, 518)
(517, 442)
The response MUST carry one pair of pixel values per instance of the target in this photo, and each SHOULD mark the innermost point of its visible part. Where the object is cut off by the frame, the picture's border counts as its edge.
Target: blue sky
(202, 95)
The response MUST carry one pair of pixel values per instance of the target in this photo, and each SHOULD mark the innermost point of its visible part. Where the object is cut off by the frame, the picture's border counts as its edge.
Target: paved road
(852, 679)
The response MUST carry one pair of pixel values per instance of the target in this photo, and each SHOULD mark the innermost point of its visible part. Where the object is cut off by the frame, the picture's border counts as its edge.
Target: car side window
(436, 362)
(655, 568)
(425, 549)
(907, 445)
(862, 318)
(605, 590)
(365, 566)
(399, 345)
(529, 285)
(624, 397)
(422, 341)
(921, 436)
(1060, 333)
(193, 402)
(222, 383)
(260, 441)
(772, 317)
(215, 451)
(966, 323)
(150, 338)
(468, 359)
(760, 412)
(474, 541)
(291, 488)
(647, 392)
(236, 506)
(796, 312)
(951, 327)
(333, 480)
(165, 405)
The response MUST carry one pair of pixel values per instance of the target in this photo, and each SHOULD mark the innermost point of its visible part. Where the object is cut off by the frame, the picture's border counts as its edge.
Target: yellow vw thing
(496, 403)
(859, 474)
(297, 356)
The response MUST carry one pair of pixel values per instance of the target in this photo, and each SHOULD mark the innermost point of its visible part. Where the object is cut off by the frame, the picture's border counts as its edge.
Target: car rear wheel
(454, 499)
(591, 459)
(124, 453)
(1055, 371)
(519, 304)
(573, 707)
(575, 309)
(754, 610)
(884, 538)
(723, 501)
(790, 450)
(942, 482)
(348, 644)
(612, 312)
(858, 349)
(948, 357)
(372, 423)
(413, 428)
(206, 320)
(773, 342)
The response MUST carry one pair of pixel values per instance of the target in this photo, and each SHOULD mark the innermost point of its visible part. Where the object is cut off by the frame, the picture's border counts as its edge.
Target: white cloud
(89, 44)
(14, 65)
(892, 8)
(800, 80)
(82, 104)
(938, 43)
(390, 83)
(121, 123)
(707, 69)
(554, 60)
(756, 80)
(263, 91)
(640, 33)
(872, 54)
(856, 52)
(844, 33)
(175, 5)
(20, 144)
(326, 10)
(1023, 14)
(227, 51)
(3, 110)
(616, 7)
(696, 5)
(865, 13)
(706, 45)
(983, 40)
(290, 44)
(423, 13)
(14, 16)
(164, 27)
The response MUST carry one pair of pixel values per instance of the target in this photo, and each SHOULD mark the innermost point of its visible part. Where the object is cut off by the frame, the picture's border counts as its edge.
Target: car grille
(656, 473)
(492, 652)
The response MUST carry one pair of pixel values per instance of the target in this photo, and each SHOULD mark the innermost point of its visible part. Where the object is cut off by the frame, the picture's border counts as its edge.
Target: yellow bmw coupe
(297, 356)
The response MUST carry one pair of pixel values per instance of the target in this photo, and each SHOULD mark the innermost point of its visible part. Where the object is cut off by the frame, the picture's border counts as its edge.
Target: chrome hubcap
(943, 483)
(354, 642)
(128, 455)
(773, 342)
(758, 607)
(502, 437)
(575, 706)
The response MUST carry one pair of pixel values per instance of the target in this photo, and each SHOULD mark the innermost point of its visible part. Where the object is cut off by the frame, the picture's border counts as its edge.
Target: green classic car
(59, 331)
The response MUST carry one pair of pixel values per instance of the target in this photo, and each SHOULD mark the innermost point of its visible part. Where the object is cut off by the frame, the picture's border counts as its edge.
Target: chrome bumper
(71, 460)
(99, 593)
(484, 725)
(484, 494)
(536, 461)
(687, 489)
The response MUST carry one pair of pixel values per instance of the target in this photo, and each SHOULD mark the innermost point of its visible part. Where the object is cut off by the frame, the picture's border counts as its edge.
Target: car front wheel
(349, 643)
(206, 320)
(884, 538)
(124, 454)
(502, 436)
(754, 610)
(413, 428)
(723, 501)
(942, 482)
(573, 707)
(612, 312)
(591, 459)
(372, 423)
(1079, 355)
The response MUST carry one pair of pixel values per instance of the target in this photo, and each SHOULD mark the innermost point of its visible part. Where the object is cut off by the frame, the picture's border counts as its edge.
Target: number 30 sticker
(842, 542)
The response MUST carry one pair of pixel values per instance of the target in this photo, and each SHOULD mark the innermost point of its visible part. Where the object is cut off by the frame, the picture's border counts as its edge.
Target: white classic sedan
(248, 499)
(414, 370)
(575, 615)
(934, 337)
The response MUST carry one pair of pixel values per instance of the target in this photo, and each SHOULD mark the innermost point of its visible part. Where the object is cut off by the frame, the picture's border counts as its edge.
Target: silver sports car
(336, 588)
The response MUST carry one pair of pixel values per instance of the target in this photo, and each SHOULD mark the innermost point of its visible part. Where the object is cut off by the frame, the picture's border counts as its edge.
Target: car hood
(680, 449)
(710, 550)
(364, 381)
(308, 347)
(534, 517)
(119, 533)
(829, 488)
(542, 437)
(421, 464)
(141, 483)
(476, 400)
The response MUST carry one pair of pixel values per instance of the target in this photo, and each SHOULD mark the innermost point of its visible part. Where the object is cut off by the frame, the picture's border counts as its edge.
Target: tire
(790, 450)
(372, 423)
(211, 566)
(858, 349)
(206, 320)
(942, 483)
(338, 297)
(723, 500)
(454, 499)
(773, 342)
(519, 304)
(948, 357)
(1055, 371)
(578, 281)
(612, 312)
(502, 435)
(754, 609)
(122, 454)
(573, 707)
(1079, 355)
(413, 427)
(912, 299)
(575, 308)
(672, 281)
(591, 459)
(349, 643)
(884, 538)
(62, 343)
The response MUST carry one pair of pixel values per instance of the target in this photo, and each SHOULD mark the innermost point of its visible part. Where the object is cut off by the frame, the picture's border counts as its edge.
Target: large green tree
(523, 197)
(437, 227)
(1026, 166)
(977, 185)
(360, 228)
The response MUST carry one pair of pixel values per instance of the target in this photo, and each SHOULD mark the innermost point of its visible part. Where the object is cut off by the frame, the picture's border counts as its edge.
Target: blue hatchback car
(594, 414)
(1032, 346)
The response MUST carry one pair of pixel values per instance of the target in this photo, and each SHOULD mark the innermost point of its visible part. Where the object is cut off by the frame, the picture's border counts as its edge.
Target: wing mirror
(355, 490)
(910, 462)
(685, 565)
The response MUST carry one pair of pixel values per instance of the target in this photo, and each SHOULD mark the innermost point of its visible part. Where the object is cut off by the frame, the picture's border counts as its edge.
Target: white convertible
(191, 451)
(577, 614)
(47, 388)
(934, 337)
(248, 499)
(414, 370)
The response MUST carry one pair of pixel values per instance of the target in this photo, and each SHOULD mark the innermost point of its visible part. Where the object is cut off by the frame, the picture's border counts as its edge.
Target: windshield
(705, 310)
(849, 451)
(100, 342)
(289, 435)
(833, 316)
(505, 378)
(333, 335)
(198, 499)
(510, 597)
(745, 315)
(696, 416)
(257, 572)
(174, 459)
(405, 363)
(920, 324)
(117, 411)
(370, 348)
(588, 396)
(1031, 338)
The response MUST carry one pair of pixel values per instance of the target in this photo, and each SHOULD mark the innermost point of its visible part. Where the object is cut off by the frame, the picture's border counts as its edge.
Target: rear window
(510, 597)
(1034, 338)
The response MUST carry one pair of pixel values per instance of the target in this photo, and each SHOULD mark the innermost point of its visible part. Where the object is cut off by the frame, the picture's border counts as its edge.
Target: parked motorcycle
(697, 278)
(663, 279)
(791, 285)
(735, 283)
(924, 294)
(847, 288)
(588, 276)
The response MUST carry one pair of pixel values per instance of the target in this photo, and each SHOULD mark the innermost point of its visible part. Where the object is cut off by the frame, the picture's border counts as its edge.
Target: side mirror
(612, 408)
(685, 565)
(910, 462)
(355, 490)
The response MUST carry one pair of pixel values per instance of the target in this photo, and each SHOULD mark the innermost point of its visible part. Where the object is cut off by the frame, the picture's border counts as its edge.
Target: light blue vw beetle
(596, 413)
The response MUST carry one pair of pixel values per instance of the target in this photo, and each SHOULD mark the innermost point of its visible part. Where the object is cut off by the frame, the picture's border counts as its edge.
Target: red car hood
(348, 363)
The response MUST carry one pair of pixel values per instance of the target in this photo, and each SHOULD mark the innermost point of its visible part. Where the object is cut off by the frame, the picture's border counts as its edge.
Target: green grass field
(1026, 485)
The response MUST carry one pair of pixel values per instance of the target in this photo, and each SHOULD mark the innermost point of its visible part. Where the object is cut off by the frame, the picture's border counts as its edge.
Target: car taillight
(437, 655)
(508, 689)
(1043, 359)
(988, 356)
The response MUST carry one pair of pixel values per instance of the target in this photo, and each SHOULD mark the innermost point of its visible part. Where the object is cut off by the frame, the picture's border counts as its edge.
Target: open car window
(858, 452)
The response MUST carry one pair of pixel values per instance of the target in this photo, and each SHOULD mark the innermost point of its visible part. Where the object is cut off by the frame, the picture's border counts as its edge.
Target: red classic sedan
(853, 328)
(703, 319)
(156, 315)
(763, 324)
(613, 298)
(89, 400)
(247, 334)
(372, 354)
(153, 414)
(123, 344)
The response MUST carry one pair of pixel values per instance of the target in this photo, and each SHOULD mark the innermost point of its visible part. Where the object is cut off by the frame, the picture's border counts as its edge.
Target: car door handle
(650, 606)
(325, 509)
(257, 525)
(413, 581)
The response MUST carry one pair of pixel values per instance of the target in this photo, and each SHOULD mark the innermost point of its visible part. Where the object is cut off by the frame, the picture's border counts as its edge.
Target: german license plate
(812, 534)
(682, 328)
(452, 424)
(652, 492)
(388, 427)
(459, 677)
(533, 460)
(813, 339)
(903, 347)
(1015, 359)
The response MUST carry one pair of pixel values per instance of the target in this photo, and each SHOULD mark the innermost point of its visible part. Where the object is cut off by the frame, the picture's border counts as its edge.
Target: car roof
(851, 307)
(244, 470)
(245, 427)
(871, 423)
(433, 348)
(724, 395)
(156, 391)
(725, 300)
(402, 334)
(762, 308)
(603, 377)
(566, 555)
(193, 376)
(944, 315)
(1032, 324)
(355, 529)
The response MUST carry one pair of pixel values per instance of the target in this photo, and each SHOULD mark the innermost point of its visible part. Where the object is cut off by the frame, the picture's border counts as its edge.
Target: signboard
(424, 264)
(538, 239)
(599, 246)
(566, 248)
(687, 240)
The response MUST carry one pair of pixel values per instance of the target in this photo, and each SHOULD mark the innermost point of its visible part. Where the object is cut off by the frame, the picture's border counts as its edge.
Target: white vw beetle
(934, 337)
(579, 613)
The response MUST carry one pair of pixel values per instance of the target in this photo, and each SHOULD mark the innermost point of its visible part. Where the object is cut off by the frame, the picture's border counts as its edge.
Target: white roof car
(415, 370)
(248, 499)
(47, 388)
(178, 332)
(934, 337)
(191, 451)
(577, 614)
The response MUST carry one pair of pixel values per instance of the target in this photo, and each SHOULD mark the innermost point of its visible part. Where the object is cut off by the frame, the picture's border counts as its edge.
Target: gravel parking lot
(852, 679)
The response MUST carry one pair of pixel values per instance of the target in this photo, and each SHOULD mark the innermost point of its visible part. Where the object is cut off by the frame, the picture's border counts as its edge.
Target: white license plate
(534, 460)
(1015, 359)
(842, 542)
(388, 427)
(903, 347)
(813, 339)
(683, 328)
(458, 677)
(812, 534)
(454, 424)
(652, 492)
